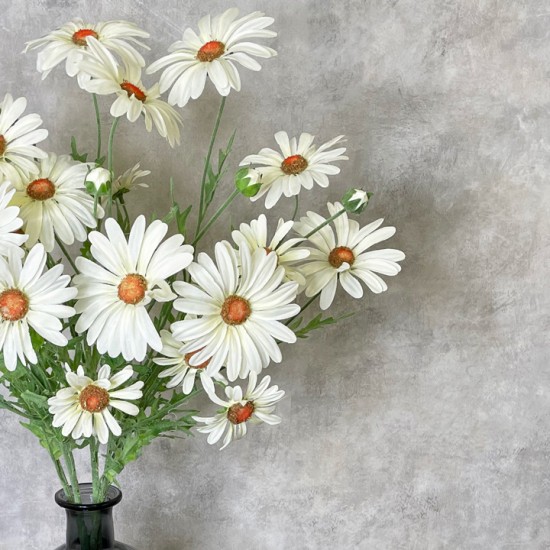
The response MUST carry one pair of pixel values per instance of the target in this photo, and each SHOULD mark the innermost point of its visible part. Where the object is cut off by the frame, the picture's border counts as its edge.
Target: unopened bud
(355, 200)
(98, 181)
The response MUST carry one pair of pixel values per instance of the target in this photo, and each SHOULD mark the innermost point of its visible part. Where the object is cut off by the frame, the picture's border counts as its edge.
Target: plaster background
(422, 423)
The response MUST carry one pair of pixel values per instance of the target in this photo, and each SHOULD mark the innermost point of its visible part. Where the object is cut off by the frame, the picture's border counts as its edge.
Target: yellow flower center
(80, 37)
(41, 189)
(201, 366)
(293, 165)
(339, 255)
(133, 90)
(237, 413)
(210, 51)
(132, 288)
(3, 145)
(94, 399)
(14, 305)
(235, 310)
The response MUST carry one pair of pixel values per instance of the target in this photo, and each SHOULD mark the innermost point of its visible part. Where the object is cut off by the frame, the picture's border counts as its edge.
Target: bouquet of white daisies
(106, 351)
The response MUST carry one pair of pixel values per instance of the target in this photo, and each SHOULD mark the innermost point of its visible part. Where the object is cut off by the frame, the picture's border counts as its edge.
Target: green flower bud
(248, 181)
(355, 200)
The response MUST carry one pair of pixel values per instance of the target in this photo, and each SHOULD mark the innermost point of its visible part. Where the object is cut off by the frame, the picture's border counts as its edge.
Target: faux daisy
(113, 291)
(256, 406)
(18, 138)
(129, 179)
(54, 202)
(133, 99)
(179, 370)
(254, 236)
(83, 407)
(222, 42)
(344, 258)
(69, 44)
(31, 298)
(241, 300)
(299, 164)
(10, 223)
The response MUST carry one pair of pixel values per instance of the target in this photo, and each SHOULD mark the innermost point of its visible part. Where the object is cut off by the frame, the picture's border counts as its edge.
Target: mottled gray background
(422, 423)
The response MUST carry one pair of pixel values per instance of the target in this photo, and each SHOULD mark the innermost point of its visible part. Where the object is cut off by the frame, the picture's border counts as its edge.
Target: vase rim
(113, 497)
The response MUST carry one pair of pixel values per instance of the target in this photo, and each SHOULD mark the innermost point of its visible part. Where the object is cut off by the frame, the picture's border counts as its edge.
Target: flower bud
(98, 181)
(248, 181)
(355, 200)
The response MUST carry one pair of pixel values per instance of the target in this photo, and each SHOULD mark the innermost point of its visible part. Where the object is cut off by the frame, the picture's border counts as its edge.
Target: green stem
(202, 208)
(326, 222)
(66, 253)
(295, 207)
(98, 121)
(69, 461)
(110, 161)
(219, 211)
(94, 461)
(63, 478)
(303, 308)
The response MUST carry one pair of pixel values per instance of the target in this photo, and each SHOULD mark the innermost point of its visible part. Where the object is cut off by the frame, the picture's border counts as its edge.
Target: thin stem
(326, 222)
(94, 461)
(69, 461)
(98, 121)
(295, 207)
(219, 211)
(110, 161)
(202, 209)
(303, 308)
(66, 253)
(63, 478)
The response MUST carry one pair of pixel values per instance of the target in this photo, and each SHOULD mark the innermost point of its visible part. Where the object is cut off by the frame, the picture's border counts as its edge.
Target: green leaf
(181, 219)
(74, 152)
(316, 323)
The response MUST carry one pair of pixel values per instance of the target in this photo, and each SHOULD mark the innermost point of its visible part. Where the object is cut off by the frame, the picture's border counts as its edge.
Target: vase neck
(89, 524)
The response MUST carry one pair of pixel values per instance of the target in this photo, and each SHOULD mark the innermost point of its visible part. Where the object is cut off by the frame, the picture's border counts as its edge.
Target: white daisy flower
(31, 298)
(300, 165)
(129, 179)
(69, 43)
(180, 371)
(54, 202)
(343, 259)
(241, 301)
(254, 236)
(256, 406)
(18, 138)
(113, 292)
(222, 41)
(11, 238)
(83, 408)
(133, 99)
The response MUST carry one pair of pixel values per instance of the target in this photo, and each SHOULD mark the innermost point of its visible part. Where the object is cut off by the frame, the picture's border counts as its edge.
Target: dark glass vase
(90, 525)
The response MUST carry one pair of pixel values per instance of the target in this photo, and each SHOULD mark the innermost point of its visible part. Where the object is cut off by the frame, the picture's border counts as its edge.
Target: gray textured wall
(423, 422)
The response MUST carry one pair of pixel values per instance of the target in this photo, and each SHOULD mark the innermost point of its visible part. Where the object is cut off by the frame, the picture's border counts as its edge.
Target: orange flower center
(210, 51)
(293, 165)
(235, 310)
(132, 90)
(14, 305)
(267, 249)
(41, 189)
(93, 398)
(201, 366)
(339, 255)
(237, 413)
(131, 289)
(79, 37)
(3, 145)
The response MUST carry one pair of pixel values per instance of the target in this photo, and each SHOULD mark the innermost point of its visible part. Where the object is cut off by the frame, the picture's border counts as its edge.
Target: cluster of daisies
(232, 308)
